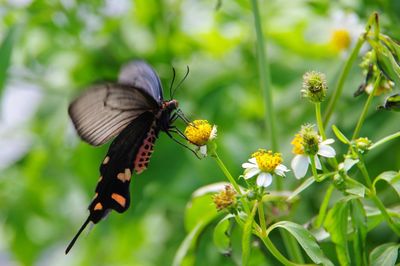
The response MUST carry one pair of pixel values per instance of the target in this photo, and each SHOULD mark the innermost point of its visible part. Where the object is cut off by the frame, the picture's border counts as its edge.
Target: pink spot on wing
(143, 156)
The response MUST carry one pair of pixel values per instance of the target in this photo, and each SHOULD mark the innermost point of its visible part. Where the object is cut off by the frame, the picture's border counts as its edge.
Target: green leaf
(391, 177)
(183, 256)
(340, 135)
(385, 254)
(221, 235)
(246, 237)
(200, 212)
(305, 239)
(355, 188)
(386, 62)
(308, 182)
(359, 222)
(5, 56)
(336, 224)
(200, 208)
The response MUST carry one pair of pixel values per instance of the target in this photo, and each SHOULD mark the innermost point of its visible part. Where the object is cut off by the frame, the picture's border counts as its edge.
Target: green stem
(314, 168)
(366, 106)
(343, 75)
(364, 171)
(324, 206)
(265, 79)
(261, 217)
(231, 180)
(275, 252)
(382, 208)
(321, 128)
(384, 140)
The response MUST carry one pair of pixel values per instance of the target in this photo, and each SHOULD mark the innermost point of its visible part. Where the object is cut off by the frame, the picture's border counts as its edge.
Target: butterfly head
(170, 105)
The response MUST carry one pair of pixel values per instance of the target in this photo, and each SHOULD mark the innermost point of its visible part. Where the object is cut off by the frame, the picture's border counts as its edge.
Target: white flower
(264, 163)
(301, 161)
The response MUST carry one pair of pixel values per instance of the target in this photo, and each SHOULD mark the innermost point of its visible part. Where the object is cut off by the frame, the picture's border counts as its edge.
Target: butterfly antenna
(182, 116)
(77, 235)
(172, 82)
(180, 143)
(180, 83)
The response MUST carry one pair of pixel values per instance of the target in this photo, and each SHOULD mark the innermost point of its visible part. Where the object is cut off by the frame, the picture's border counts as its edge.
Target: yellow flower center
(198, 132)
(297, 143)
(266, 160)
(340, 39)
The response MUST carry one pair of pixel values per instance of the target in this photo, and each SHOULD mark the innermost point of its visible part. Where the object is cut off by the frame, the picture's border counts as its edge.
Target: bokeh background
(51, 50)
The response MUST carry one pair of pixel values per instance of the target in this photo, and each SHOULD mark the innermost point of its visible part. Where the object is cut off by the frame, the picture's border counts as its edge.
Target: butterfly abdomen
(145, 151)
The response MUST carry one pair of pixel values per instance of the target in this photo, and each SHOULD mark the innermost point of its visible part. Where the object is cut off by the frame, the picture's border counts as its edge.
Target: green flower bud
(311, 139)
(362, 144)
(314, 86)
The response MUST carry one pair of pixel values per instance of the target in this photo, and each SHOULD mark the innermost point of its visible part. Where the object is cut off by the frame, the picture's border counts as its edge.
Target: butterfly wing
(105, 110)
(140, 75)
(112, 191)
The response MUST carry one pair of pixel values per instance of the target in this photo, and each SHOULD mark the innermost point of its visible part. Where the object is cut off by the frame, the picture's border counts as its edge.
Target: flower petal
(327, 142)
(281, 169)
(264, 179)
(203, 150)
(317, 163)
(349, 163)
(250, 172)
(249, 165)
(326, 151)
(299, 165)
(253, 160)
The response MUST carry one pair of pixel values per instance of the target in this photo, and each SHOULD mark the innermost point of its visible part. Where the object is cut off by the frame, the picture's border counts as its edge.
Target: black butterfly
(134, 111)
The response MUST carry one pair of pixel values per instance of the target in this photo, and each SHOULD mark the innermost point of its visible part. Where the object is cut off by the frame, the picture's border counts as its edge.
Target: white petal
(253, 160)
(250, 172)
(326, 151)
(249, 165)
(264, 179)
(213, 133)
(299, 165)
(281, 169)
(327, 142)
(317, 163)
(203, 150)
(349, 163)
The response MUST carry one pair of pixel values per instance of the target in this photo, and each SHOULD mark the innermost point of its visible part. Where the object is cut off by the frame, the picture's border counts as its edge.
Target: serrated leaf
(221, 235)
(336, 224)
(391, 177)
(359, 224)
(306, 241)
(340, 135)
(385, 254)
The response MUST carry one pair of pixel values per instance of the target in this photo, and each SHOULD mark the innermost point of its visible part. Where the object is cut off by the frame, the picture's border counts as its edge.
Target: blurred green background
(51, 50)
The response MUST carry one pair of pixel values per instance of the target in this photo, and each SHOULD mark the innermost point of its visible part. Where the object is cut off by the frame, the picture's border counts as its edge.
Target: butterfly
(133, 112)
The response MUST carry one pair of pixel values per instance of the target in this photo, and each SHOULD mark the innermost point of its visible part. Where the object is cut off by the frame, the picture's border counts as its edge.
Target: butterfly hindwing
(117, 167)
(112, 190)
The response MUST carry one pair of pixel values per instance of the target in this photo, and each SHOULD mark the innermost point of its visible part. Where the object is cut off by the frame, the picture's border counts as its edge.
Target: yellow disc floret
(297, 143)
(225, 198)
(266, 160)
(198, 132)
(340, 39)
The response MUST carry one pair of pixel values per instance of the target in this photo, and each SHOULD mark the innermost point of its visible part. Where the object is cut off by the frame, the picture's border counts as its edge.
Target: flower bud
(225, 199)
(314, 86)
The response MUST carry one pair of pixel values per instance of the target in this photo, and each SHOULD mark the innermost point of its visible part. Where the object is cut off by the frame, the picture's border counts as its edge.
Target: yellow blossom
(266, 160)
(198, 132)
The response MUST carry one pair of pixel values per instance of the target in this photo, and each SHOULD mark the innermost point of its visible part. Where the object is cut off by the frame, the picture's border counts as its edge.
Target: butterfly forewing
(105, 110)
(140, 75)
